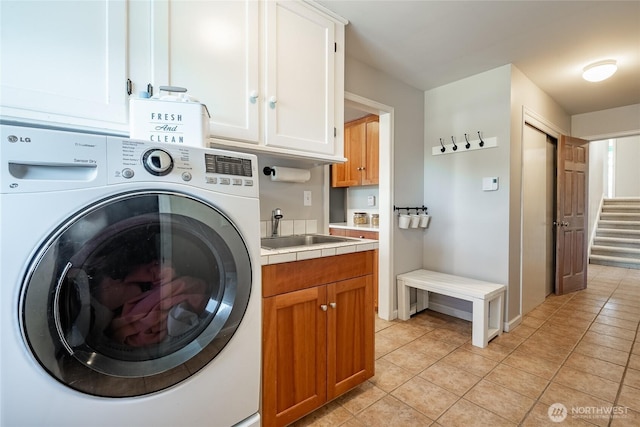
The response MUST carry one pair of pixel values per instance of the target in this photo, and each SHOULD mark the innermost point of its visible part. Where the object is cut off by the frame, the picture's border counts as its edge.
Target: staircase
(617, 240)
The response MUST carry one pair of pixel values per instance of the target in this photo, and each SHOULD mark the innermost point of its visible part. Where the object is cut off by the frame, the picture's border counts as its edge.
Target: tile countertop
(300, 253)
(348, 226)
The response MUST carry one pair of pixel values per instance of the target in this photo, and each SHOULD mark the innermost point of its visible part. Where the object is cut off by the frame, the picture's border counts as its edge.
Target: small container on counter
(360, 218)
(375, 220)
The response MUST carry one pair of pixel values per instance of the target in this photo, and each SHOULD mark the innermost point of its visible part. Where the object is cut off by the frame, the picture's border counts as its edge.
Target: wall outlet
(307, 198)
(371, 200)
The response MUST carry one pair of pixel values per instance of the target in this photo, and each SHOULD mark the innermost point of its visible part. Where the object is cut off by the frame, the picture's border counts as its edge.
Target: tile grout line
(624, 373)
(511, 351)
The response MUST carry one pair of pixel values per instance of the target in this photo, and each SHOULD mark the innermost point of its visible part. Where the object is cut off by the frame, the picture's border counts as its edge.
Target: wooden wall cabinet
(318, 333)
(361, 148)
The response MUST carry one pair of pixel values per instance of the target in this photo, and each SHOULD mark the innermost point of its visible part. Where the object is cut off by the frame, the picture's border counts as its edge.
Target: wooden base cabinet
(318, 341)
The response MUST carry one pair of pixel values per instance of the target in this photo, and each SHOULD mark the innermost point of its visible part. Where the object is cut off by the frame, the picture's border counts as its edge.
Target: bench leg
(496, 313)
(480, 323)
(403, 300)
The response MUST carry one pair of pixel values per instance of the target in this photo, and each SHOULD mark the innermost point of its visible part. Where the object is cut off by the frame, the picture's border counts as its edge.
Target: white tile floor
(581, 350)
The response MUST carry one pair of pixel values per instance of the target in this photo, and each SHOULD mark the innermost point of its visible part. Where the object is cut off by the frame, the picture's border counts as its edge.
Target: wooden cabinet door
(348, 174)
(294, 355)
(350, 347)
(361, 148)
(371, 150)
(212, 49)
(65, 62)
(300, 76)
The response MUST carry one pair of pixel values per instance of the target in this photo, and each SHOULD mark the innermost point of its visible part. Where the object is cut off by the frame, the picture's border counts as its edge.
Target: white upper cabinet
(270, 72)
(211, 48)
(300, 78)
(64, 62)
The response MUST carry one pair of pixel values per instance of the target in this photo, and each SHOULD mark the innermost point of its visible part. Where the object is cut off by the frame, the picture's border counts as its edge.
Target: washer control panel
(132, 160)
(37, 160)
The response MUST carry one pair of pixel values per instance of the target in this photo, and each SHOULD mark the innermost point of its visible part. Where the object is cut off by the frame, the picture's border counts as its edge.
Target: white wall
(288, 195)
(627, 172)
(469, 230)
(603, 124)
(408, 129)
(476, 233)
(598, 179)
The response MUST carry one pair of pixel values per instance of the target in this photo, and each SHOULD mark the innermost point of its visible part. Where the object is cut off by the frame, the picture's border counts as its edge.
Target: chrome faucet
(275, 221)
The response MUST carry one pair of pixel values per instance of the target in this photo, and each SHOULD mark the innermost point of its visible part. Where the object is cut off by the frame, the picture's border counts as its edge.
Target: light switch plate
(307, 198)
(371, 200)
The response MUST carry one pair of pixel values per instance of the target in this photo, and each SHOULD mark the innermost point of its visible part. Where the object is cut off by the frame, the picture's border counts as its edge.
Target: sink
(300, 240)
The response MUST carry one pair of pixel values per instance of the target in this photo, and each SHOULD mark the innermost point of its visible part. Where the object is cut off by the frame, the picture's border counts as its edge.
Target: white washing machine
(130, 282)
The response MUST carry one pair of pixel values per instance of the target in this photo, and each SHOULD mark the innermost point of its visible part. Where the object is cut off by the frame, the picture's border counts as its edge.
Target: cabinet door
(211, 48)
(350, 347)
(64, 62)
(371, 150)
(299, 91)
(294, 355)
(348, 174)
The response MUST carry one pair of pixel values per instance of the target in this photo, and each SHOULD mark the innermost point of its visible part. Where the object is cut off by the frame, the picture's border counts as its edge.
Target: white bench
(487, 299)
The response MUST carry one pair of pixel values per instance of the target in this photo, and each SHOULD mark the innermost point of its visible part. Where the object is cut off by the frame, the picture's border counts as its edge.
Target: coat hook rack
(422, 208)
(480, 143)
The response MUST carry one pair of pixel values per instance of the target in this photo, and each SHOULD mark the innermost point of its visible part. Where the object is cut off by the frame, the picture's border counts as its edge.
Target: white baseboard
(509, 325)
(455, 312)
(465, 315)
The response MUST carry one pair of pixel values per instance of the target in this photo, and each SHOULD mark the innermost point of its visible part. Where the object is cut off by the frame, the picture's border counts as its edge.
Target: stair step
(614, 261)
(629, 225)
(624, 242)
(616, 251)
(621, 209)
(617, 232)
(620, 216)
(622, 201)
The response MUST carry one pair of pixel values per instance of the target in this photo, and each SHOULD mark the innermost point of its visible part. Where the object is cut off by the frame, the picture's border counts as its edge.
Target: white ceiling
(427, 44)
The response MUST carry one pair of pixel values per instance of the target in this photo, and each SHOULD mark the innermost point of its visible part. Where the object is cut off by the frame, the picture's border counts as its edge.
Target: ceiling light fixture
(600, 70)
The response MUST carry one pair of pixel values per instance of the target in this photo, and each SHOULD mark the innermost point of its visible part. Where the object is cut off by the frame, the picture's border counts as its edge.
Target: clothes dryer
(130, 276)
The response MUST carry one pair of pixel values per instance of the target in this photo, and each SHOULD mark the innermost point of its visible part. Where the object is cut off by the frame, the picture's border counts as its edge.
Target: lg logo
(13, 138)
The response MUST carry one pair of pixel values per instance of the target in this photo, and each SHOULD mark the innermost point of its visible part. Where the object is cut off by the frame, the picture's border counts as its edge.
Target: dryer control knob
(157, 162)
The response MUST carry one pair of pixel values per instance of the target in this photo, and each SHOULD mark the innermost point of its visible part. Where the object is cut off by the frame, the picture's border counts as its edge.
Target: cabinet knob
(324, 307)
(253, 96)
(273, 101)
(332, 304)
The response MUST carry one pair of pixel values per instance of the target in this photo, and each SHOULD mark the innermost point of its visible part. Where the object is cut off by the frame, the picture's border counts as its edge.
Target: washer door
(135, 294)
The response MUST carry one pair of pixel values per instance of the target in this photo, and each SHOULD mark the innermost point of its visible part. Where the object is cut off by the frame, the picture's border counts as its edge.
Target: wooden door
(371, 150)
(350, 351)
(294, 355)
(572, 218)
